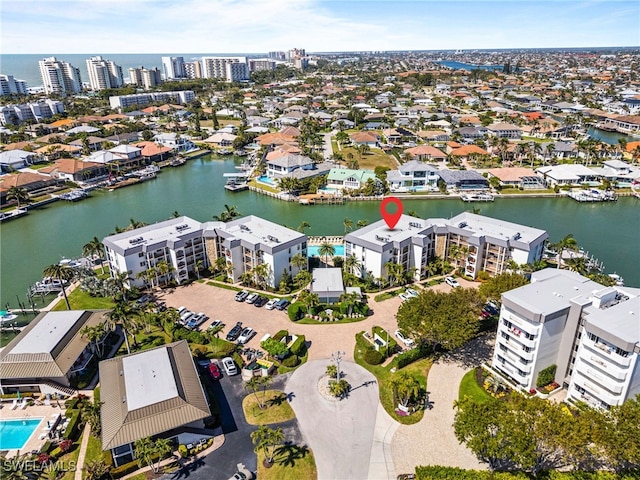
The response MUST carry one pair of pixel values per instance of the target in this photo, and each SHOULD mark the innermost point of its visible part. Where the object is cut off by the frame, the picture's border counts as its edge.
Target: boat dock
(236, 182)
(592, 195)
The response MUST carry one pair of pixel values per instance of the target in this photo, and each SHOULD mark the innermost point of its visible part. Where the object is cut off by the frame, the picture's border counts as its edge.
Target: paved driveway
(219, 303)
(341, 434)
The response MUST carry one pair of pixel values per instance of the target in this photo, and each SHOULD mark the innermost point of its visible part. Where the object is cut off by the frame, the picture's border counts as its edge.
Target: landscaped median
(402, 379)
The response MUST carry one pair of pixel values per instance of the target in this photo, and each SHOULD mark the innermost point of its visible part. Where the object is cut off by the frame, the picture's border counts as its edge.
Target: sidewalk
(83, 452)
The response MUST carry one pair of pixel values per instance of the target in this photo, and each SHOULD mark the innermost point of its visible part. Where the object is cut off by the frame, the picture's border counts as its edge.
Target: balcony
(606, 352)
(515, 346)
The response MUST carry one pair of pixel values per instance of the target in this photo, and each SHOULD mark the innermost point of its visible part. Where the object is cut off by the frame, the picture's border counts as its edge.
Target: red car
(214, 371)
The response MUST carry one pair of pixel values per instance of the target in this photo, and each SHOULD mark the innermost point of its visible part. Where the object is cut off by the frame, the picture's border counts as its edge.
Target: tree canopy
(496, 286)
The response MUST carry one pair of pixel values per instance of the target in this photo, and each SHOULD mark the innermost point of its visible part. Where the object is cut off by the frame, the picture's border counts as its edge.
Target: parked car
(181, 310)
(282, 304)
(260, 301)
(196, 320)
(241, 296)
(229, 366)
(451, 282)
(246, 335)
(214, 371)
(404, 296)
(144, 299)
(252, 297)
(187, 318)
(411, 292)
(215, 324)
(272, 303)
(235, 332)
(493, 310)
(408, 342)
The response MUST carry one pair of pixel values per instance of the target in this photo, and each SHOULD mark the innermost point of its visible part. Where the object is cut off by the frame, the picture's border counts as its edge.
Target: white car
(251, 298)
(404, 296)
(411, 292)
(271, 303)
(246, 335)
(229, 366)
(408, 342)
(451, 282)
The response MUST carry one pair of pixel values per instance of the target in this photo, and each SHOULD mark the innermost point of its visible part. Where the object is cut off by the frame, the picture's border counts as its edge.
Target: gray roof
(291, 160)
(48, 346)
(327, 282)
(457, 176)
(125, 421)
(618, 324)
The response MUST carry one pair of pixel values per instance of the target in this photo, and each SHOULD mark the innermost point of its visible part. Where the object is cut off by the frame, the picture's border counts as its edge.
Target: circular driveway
(341, 434)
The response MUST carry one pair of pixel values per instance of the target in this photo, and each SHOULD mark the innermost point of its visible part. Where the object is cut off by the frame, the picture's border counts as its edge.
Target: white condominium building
(59, 77)
(140, 99)
(193, 69)
(591, 333)
(171, 249)
(472, 242)
(216, 67)
(250, 241)
(104, 74)
(165, 251)
(145, 77)
(12, 86)
(173, 67)
(34, 111)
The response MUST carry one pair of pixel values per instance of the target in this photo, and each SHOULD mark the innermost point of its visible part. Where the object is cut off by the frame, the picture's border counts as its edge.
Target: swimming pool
(312, 250)
(15, 433)
(267, 180)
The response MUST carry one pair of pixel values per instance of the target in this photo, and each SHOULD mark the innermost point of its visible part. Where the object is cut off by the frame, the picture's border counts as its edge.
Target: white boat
(476, 197)
(6, 316)
(618, 279)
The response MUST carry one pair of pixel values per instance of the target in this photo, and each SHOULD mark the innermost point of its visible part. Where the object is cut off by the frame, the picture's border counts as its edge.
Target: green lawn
(516, 191)
(94, 451)
(80, 300)
(469, 388)
(262, 186)
(277, 408)
(374, 158)
(68, 458)
(419, 369)
(291, 462)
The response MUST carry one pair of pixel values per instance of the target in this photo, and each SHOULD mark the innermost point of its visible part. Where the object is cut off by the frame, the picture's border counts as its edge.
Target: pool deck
(43, 412)
(334, 240)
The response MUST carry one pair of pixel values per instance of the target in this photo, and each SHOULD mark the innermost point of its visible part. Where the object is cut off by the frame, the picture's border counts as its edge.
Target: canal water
(610, 231)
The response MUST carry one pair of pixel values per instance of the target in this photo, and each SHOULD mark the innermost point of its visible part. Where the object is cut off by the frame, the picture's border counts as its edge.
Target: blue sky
(209, 26)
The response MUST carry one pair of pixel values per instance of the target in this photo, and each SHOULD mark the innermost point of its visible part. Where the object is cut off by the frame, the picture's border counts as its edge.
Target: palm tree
(163, 269)
(90, 412)
(94, 470)
(352, 265)
(266, 439)
(394, 272)
(228, 214)
(405, 388)
(258, 383)
(94, 247)
(326, 250)
(62, 273)
(144, 449)
(161, 448)
(308, 299)
(261, 273)
(348, 224)
(299, 261)
(362, 223)
(95, 335)
(567, 243)
(18, 194)
(302, 226)
(122, 314)
(199, 265)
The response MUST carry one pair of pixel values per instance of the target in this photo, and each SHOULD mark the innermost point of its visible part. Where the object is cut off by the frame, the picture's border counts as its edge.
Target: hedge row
(296, 311)
(72, 428)
(280, 335)
(382, 333)
(452, 473)
(405, 358)
(299, 346)
(130, 467)
(546, 376)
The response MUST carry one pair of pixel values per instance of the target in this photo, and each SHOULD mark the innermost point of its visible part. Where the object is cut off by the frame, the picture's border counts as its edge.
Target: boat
(6, 316)
(477, 197)
(592, 195)
(47, 285)
(18, 212)
(224, 151)
(618, 279)
(176, 162)
(74, 195)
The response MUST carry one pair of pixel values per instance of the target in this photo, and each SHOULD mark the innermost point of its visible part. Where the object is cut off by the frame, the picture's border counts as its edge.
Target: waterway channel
(610, 231)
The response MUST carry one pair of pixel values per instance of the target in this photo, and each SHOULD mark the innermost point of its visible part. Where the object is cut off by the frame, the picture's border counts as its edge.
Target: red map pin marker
(391, 219)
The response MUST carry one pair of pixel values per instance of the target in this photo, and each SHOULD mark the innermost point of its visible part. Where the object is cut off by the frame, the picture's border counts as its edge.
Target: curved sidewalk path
(348, 436)
(432, 440)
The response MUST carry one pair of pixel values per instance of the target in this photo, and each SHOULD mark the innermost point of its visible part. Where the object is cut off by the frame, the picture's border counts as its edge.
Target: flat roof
(148, 379)
(497, 228)
(49, 331)
(327, 280)
(171, 229)
(256, 230)
(378, 233)
(621, 320)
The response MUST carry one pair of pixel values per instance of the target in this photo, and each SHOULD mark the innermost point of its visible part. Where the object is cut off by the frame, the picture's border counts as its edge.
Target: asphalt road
(237, 448)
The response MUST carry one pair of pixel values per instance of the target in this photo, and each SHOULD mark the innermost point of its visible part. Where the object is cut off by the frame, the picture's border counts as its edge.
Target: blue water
(468, 66)
(267, 180)
(312, 250)
(15, 433)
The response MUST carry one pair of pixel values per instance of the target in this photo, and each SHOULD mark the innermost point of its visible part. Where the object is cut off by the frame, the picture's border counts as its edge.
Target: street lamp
(337, 358)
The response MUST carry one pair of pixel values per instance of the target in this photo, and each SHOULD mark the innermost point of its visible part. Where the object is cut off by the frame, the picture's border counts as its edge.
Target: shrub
(222, 348)
(74, 419)
(546, 376)
(65, 445)
(46, 447)
(373, 357)
(125, 469)
(332, 371)
(71, 403)
(382, 333)
(296, 311)
(280, 335)
(410, 356)
(275, 348)
(483, 275)
(291, 361)
(182, 450)
(299, 347)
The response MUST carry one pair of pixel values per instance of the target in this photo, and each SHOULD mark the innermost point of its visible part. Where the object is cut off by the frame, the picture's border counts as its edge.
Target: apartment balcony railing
(517, 349)
(608, 353)
(611, 369)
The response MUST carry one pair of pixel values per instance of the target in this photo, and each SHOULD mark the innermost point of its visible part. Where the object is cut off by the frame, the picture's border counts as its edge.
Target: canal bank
(609, 231)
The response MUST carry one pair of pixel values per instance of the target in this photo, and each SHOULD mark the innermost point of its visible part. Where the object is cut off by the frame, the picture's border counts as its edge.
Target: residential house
(365, 138)
(426, 153)
(48, 353)
(463, 180)
(74, 170)
(518, 177)
(346, 178)
(33, 183)
(221, 139)
(174, 141)
(505, 130)
(567, 174)
(413, 176)
(155, 392)
(15, 159)
(285, 164)
(153, 152)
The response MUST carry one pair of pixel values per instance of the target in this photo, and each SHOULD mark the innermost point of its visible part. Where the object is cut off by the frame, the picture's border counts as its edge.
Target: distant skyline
(159, 26)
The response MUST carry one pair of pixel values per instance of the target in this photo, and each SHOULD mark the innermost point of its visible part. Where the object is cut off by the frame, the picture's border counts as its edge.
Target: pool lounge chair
(14, 404)
(23, 404)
